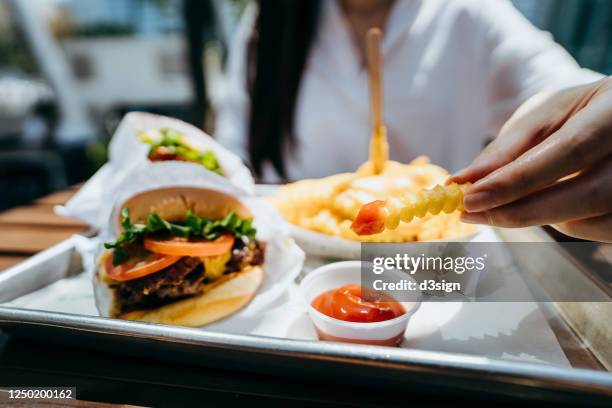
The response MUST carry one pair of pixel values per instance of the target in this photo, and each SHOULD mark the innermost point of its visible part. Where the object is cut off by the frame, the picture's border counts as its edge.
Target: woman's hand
(551, 164)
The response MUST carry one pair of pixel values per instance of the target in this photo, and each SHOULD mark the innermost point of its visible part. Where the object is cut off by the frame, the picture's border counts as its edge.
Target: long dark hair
(278, 51)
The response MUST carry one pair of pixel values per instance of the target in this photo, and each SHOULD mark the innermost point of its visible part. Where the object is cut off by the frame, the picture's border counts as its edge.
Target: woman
(297, 103)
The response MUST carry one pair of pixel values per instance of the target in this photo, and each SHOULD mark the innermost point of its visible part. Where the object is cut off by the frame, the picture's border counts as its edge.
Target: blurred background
(70, 69)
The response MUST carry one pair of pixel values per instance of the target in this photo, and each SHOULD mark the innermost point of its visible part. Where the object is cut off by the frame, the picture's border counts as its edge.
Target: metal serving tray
(391, 368)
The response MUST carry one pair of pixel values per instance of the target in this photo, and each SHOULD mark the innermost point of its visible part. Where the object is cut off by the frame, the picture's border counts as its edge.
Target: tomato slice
(370, 219)
(140, 267)
(189, 247)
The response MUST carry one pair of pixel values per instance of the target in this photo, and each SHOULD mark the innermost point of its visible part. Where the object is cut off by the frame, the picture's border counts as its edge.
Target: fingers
(534, 121)
(583, 140)
(492, 157)
(523, 130)
(594, 229)
(587, 195)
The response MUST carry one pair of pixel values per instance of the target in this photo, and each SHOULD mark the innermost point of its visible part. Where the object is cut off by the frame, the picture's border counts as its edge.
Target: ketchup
(370, 219)
(346, 304)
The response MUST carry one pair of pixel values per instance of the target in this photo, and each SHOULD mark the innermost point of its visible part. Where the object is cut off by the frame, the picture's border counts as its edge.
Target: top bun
(172, 204)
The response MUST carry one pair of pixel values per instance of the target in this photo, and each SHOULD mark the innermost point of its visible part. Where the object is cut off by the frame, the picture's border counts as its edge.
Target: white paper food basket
(128, 155)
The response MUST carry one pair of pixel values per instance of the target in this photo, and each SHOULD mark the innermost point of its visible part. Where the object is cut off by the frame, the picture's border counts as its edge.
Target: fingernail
(458, 174)
(474, 218)
(478, 201)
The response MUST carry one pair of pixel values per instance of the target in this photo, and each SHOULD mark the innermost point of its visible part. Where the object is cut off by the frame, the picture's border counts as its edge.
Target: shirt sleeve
(521, 61)
(232, 121)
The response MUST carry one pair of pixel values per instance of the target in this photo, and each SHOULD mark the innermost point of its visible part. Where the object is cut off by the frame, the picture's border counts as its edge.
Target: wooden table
(27, 230)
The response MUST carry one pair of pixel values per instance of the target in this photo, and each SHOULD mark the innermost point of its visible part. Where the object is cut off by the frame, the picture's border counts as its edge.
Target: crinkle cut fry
(375, 217)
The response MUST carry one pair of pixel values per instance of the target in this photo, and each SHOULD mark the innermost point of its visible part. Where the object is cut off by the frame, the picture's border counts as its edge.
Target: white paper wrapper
(128, 155)
(283, 258)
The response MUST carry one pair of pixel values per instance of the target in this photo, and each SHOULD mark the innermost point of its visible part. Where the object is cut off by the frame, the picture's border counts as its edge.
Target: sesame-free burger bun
(172, 204)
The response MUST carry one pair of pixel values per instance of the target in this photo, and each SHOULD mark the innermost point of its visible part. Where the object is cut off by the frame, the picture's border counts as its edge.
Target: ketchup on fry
(346, 303)
(371, 219)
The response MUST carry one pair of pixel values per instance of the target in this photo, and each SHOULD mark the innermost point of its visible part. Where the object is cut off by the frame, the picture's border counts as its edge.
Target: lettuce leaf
(172, 140)
(194, 227)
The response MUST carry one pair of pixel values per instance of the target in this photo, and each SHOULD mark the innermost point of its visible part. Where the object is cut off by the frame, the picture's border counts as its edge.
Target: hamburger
(184, 256)
(170, 144)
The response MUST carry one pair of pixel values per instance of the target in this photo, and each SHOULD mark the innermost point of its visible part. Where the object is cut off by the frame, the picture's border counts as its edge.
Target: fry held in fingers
(331, 204)
(375, 217)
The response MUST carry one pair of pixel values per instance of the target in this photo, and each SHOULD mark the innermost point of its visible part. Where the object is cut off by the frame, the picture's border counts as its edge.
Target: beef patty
(184, 278)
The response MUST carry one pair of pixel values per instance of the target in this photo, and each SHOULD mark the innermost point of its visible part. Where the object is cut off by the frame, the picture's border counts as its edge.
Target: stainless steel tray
(390, 367)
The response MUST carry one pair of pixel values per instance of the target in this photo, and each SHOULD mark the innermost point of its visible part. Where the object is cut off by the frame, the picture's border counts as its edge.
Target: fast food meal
(329, 205)
(374, 217)
(185, 256)
(170, 144)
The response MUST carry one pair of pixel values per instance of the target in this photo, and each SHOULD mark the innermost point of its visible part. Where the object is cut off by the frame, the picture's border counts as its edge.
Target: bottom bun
(219, 300)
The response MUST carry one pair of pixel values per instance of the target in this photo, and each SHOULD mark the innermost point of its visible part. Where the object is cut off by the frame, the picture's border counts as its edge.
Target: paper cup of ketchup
(341, 310)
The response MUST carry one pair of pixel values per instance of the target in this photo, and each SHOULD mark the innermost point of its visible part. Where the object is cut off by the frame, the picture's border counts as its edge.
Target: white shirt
(454, 72)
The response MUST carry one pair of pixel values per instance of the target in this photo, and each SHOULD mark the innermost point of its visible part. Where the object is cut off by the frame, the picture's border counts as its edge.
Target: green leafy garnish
(131, 232)
(194, 227)
(172, 141)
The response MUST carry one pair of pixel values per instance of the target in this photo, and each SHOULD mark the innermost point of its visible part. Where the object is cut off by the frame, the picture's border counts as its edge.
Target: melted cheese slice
(215, 265)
